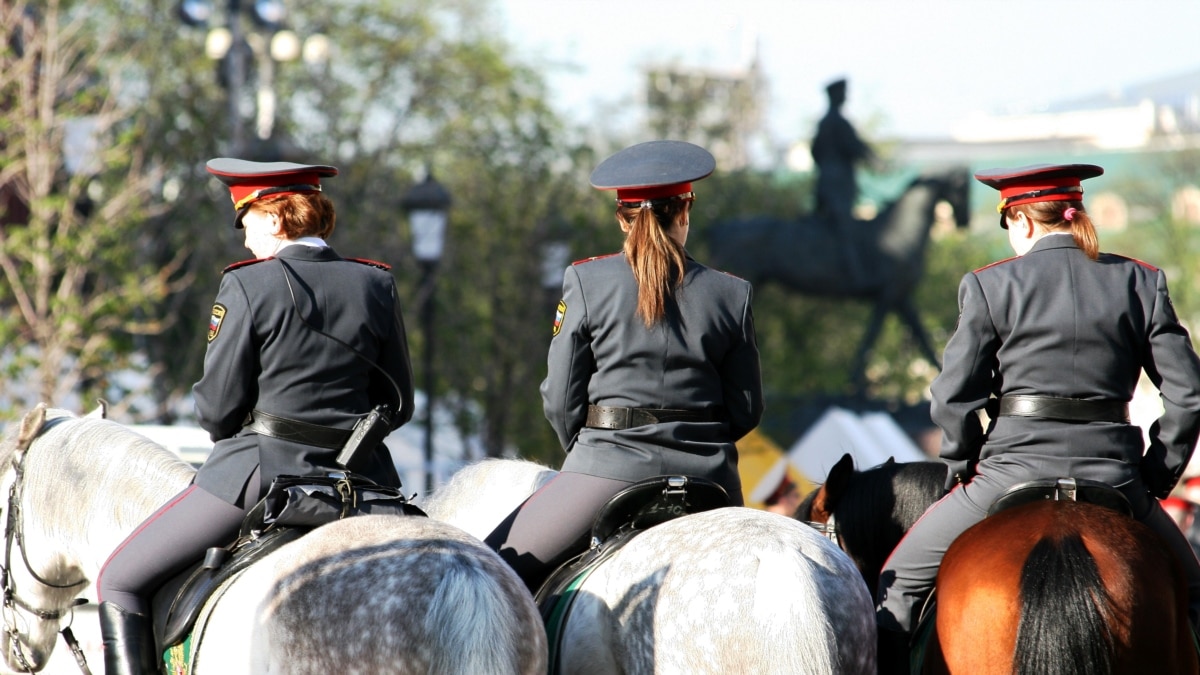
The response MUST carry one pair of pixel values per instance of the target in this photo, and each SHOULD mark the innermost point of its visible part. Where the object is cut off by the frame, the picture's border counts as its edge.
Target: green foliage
(118, 265)
(1155, 233)
(75, 181)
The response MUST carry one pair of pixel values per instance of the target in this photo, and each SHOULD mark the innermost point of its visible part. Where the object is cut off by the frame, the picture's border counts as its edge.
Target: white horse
(369, 594)
(732, 590)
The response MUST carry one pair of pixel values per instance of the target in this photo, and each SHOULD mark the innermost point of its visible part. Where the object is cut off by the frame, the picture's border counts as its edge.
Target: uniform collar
(1063, 240)
(307, 253)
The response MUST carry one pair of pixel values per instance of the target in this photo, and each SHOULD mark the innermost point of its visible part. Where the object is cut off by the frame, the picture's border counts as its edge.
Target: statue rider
(837, 149)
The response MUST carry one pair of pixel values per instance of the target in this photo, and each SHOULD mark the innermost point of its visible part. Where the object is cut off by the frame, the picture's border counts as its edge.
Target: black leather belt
(617, 417)
(296, 431)
(1072, 409)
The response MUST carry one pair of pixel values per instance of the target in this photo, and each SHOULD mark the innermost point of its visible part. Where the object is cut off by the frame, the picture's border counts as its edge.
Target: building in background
(721, 110)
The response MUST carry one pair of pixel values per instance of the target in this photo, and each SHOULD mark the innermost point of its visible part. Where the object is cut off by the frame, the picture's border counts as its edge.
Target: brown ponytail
(657, 259)
(1052, 215)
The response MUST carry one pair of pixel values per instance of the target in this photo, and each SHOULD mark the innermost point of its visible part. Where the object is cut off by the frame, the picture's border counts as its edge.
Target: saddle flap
(1062, 489)
(205, 580)
(292, 507)
(656, 500)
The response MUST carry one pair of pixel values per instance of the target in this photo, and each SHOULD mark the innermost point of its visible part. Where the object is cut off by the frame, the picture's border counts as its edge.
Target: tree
(77, 179)
(408, 87)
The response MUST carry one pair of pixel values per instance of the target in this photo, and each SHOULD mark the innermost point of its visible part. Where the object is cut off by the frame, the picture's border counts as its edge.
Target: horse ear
(838, 480)
(31, 424)
(101, 411)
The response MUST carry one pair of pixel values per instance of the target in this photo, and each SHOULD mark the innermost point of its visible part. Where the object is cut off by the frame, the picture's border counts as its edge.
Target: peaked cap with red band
(1038, 183)
(250, 181)
(653, 170)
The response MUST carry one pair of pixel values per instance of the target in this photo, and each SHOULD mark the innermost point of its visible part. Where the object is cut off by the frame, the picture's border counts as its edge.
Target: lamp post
(268, 42)
(427, 205)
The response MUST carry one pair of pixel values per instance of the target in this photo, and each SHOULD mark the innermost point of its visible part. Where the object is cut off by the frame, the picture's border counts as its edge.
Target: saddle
(1062, 489)
(292, 507)
(630, 512)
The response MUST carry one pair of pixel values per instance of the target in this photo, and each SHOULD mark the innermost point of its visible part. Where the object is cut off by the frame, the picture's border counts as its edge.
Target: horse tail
(1062, 629)
(471, 619)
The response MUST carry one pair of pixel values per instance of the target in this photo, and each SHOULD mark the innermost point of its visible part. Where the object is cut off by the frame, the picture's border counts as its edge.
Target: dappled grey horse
(367, 594)
(731, 590)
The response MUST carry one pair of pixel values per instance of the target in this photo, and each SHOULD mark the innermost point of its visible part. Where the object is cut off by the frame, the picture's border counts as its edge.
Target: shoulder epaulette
(595, 257)
(998, 262)
(244, 263)
(1143, 263)
(372, 263)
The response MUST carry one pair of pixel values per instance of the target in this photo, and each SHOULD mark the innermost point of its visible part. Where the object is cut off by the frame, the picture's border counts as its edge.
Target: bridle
(827, 529)
(14, 537)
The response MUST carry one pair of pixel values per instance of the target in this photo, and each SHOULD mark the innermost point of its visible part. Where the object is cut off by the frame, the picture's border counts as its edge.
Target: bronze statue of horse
(879, 260)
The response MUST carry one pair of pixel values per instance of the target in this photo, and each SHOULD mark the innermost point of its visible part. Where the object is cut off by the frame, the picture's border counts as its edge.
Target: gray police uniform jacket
(702, 356)
(1054, 323)
(262, 355)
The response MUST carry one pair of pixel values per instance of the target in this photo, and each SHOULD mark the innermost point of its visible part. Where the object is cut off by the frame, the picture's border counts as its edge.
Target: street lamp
(427, 205)
(268, 41)
(556, 253)
(555, 249)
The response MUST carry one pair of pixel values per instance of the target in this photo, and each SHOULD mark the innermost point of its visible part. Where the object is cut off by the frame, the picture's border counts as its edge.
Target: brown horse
(1048, 587)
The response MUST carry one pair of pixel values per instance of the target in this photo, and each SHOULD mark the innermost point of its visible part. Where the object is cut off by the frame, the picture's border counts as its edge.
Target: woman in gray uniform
(301, 344)
(1056, 339)
(653, 368)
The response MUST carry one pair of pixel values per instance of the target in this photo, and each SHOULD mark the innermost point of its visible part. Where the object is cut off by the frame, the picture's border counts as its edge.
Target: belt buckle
(626, 418)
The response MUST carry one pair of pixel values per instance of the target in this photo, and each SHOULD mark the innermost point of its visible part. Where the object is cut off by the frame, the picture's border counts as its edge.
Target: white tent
(870, 438)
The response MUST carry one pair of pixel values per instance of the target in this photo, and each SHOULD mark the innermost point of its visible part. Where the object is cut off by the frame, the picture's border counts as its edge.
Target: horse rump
(413, 594)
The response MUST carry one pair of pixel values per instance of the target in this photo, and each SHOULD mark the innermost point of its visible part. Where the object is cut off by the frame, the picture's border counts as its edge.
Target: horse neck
(906, 223)
(87, 485)
(480, 495)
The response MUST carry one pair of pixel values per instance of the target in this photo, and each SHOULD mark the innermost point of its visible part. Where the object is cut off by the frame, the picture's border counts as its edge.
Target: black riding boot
(128, 642)
(893, 653)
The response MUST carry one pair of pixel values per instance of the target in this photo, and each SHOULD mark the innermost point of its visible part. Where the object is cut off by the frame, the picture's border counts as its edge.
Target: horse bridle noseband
(827, 529)
(14, 533)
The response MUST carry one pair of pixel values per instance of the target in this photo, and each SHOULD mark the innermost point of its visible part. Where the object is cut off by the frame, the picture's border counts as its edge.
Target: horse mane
(123, 447)
(97, 457)
(878, 506)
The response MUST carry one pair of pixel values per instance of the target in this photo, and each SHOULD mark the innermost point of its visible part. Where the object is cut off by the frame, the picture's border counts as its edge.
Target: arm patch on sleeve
(559, 315)
(215, 321)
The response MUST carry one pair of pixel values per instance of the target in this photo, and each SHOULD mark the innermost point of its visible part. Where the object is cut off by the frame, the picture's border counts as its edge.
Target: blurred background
(487, 116)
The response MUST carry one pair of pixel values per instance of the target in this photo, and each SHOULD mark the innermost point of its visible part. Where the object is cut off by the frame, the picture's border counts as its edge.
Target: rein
(14, 533)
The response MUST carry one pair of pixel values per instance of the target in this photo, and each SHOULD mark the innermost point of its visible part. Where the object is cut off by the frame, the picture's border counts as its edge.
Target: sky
(915, 67)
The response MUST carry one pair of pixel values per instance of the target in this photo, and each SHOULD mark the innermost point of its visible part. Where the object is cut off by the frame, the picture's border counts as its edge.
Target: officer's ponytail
(657, 259)
(1062, 215)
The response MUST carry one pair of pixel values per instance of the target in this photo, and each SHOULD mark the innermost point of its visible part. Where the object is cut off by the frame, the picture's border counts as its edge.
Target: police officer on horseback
(302, 344)
(1051, 344)
(653, 368)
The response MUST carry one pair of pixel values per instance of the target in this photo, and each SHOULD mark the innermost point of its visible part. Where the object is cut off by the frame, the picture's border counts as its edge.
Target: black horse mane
(877, 506)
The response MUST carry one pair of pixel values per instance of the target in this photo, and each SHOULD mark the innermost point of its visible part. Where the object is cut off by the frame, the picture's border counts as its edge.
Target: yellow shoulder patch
(559, 315)
(215, 321)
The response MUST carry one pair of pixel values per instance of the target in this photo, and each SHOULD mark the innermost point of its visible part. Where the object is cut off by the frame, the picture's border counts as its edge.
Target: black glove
(1157, 479)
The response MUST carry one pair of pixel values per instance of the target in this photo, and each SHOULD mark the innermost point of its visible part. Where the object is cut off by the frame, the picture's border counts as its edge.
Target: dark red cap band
(637, 194)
